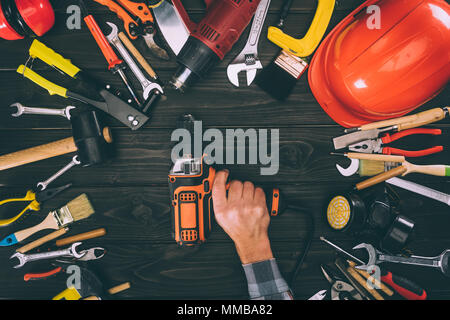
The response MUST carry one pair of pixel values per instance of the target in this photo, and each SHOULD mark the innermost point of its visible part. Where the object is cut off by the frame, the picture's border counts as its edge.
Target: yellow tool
(35, 199)
(305, 47)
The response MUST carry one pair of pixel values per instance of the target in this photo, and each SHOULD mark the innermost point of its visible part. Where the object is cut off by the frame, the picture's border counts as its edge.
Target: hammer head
(89, 138)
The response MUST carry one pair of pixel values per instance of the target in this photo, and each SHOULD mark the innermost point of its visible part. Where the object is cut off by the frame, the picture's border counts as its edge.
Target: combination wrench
(248, 59)
(68, 252)
(21, 109)
(43, 185)
(147, 85)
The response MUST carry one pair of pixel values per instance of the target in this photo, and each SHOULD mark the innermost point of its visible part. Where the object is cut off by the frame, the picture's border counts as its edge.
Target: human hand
(244, 216)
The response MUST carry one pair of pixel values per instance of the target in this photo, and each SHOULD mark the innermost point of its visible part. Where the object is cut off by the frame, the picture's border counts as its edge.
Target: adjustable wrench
(148, 86)
(43, 185)
(21, 109)
(248, 60)
(68, 252)
(376, 257)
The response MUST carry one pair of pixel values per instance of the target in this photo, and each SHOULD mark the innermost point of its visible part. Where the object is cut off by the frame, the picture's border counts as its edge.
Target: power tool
(190, 184)
(209, 40)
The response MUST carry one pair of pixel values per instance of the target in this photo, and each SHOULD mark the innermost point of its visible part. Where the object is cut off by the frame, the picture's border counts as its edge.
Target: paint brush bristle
(368, 168)
(79, 208)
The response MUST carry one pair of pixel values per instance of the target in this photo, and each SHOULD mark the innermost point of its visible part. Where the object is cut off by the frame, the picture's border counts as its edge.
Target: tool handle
(411, 154)
(47, 223)
(404, 287)
(50, 57)
(102, 42)
(284, 13)
(38, 276)
(376, 283)
(37, 153)
(33, 205)
(119, 288)
(381, 177)
(306, 46)
(41, 241)
(434, 170)
(80, 237)
(139, 10)
(408, 122)
(51, 87)
(377, 157)
(363, 283)
(128, 22)
(388, 138)
(137, 55)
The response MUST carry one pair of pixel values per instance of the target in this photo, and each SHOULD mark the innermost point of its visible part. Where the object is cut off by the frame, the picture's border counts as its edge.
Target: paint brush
(77, 209)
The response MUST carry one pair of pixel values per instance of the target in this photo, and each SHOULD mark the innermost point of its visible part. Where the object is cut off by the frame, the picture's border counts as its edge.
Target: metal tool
(344, 141)
(24, 258)
(35, 199)
(319, 295)
(354, 167)
(376, 145)
(148, 86)
(21, 109)
(87, 255)
(143, 25)
(361, 289)
(337, 248)
(43, 185)
(419, 189)
(340, 290)
(376, 257)
(248, 59)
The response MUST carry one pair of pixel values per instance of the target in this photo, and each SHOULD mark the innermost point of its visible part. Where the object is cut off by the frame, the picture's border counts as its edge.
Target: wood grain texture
(130, 193)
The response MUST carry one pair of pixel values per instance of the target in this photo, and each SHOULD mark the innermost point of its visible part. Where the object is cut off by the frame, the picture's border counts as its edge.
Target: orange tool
(143, 25)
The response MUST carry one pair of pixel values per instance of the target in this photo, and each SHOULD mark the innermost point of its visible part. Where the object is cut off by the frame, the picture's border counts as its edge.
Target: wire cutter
(143, 25)
(340, 290)
(35, 199)
(376, 145)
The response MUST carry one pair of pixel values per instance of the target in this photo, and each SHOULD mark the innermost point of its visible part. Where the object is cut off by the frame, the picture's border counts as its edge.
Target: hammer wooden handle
(34, 154)
(82, 236)
(381, 177)
(41, 241)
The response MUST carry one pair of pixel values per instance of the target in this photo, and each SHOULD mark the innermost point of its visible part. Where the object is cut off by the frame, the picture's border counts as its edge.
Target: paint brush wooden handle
(137, 55)
(48, 223)
(381, 177)
(41, 241)
(82, 236)
(408, 122)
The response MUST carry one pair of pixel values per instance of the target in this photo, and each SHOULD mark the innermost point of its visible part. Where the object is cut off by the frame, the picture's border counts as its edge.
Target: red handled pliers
(376, 145)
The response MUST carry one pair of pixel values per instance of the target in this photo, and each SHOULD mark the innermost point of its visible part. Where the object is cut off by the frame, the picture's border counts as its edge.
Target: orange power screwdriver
(115, 65)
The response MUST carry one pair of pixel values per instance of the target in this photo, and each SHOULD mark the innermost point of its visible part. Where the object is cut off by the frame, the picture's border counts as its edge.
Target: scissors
(35, 199)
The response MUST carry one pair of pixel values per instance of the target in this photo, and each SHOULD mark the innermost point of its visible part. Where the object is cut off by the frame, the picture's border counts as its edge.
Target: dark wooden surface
(131, 197)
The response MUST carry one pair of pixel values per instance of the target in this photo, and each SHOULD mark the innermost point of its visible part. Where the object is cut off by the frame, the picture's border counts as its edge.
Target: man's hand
(244, 217)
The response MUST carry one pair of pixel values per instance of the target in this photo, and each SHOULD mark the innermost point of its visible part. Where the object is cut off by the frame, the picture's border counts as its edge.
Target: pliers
(35, 199)
(376, 145)
(340, 290)
(143, 25)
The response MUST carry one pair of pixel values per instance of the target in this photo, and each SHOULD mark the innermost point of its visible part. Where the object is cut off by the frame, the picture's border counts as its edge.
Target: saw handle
(306, 46)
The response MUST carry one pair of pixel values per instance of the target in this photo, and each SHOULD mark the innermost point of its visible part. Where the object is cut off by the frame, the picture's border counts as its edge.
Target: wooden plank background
(131, 196)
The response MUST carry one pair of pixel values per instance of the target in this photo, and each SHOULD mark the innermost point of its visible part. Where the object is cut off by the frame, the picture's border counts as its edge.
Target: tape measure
(346, 212)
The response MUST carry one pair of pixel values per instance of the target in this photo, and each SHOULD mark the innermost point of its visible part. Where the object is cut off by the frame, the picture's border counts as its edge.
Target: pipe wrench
(150, 88)
(248, 59)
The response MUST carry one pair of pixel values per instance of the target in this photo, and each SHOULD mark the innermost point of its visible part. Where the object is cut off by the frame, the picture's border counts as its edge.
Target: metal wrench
(248, 60)
(88, 255)
(376, 257)
(43, 185)
(70, 251)
(21, 109)
(147, 85)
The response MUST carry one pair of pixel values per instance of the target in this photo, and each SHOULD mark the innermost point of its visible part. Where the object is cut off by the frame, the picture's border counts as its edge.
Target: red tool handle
(389, 138)
(404, 287)
(419, 153)
(102, 42)
(37, 276)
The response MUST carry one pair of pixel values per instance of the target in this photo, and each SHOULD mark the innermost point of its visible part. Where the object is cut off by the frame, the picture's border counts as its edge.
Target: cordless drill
(212, 38)
(190, 184)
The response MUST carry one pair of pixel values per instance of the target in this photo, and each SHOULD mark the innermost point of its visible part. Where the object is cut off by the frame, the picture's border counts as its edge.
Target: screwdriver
(115, 64)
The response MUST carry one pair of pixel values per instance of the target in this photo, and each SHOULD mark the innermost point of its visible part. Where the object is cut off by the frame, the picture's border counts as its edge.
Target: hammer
(89, 140)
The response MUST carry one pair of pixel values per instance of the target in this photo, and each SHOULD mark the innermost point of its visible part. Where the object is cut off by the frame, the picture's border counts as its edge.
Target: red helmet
(20, 18)
(361, 73)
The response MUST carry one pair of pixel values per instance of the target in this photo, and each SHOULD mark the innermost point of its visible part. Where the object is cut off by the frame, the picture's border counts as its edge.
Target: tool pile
(349, 76)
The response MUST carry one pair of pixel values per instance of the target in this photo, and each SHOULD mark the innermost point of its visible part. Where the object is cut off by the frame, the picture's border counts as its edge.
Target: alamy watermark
(374, 20)
(236, 146)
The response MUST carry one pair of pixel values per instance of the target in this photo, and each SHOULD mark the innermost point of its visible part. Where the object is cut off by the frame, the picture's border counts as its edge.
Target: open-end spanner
(376, 257)
(21, 109)
(147, 85)
(68, 252)
(248, 60)
(43, 185)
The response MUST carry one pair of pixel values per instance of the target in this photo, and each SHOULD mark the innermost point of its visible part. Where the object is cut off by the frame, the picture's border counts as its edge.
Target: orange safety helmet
(362, 74)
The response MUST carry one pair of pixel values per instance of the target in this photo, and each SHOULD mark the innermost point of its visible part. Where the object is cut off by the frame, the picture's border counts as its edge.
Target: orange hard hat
(385, 59)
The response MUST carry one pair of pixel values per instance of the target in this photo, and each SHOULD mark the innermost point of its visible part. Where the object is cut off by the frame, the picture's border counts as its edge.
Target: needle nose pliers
(376, 145)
